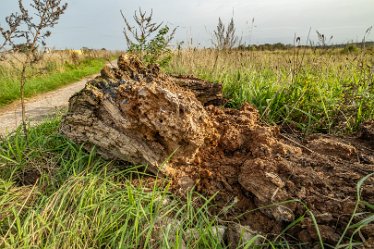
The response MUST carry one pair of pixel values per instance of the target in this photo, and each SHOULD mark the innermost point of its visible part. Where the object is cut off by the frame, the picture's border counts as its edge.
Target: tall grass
(300, 89)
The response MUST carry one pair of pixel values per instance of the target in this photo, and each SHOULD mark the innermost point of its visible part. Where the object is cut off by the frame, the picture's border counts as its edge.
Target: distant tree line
(349, 47)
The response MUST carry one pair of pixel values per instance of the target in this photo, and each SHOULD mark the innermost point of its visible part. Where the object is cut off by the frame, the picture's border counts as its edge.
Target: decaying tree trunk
(137, 114)
(206, 92)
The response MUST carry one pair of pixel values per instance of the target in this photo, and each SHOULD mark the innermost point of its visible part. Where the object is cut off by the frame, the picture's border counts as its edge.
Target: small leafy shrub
(148, 39)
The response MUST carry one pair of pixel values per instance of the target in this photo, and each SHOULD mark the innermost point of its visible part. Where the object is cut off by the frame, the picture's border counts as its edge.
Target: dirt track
(39, 107)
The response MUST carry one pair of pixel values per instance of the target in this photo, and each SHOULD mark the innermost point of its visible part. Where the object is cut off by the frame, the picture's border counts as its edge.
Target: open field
(55, 70)
(56, 194)
(214, 125)
(300, 89)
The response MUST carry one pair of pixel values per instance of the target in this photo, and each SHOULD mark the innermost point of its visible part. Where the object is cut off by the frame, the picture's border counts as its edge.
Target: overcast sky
(98, 23)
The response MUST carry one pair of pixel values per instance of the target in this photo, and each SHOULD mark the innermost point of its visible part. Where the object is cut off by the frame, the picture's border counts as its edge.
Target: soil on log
(177, 126)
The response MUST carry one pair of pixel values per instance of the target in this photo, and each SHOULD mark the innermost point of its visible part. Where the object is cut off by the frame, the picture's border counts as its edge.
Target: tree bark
(206, 92)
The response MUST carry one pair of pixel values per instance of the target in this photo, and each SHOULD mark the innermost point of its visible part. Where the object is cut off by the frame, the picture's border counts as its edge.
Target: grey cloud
(97, 23)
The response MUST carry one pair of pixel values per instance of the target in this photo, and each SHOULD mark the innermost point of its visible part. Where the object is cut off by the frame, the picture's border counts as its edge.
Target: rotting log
(206, 92)
(137, 114)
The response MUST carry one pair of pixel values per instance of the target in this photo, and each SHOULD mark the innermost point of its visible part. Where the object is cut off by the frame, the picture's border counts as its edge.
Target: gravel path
(38, 107)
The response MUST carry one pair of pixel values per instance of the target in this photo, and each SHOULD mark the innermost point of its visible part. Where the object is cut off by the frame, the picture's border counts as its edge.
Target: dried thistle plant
(225, 37)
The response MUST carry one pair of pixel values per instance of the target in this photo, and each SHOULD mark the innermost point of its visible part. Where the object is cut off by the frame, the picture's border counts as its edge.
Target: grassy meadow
(55, 70)
(54, 194)
(328, 91)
